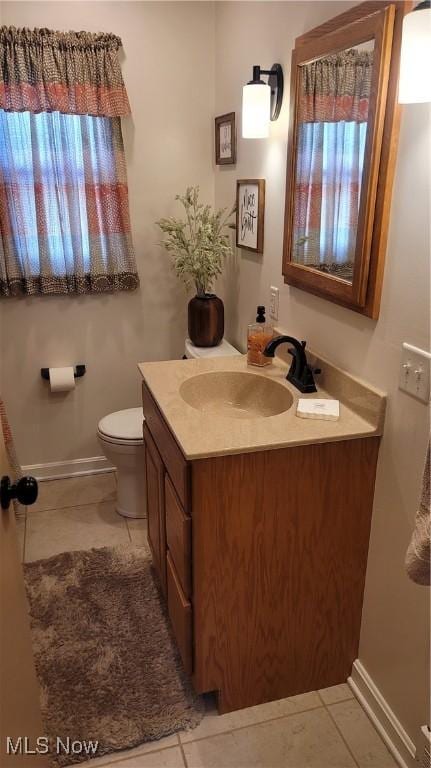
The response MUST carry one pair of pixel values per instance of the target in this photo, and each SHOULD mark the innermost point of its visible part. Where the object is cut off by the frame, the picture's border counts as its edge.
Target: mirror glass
(332, 108)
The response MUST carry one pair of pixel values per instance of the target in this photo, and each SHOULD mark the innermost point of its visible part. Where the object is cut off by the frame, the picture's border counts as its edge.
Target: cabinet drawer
(178, 536)
(173, 458)
(180, 614)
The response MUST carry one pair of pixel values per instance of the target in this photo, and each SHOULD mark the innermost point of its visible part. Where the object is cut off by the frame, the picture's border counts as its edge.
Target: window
(42, 164)
(64, 211)
(329, 174)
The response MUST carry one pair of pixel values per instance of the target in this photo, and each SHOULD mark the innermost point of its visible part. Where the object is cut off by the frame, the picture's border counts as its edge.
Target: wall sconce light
(261, 102)
(415, 63)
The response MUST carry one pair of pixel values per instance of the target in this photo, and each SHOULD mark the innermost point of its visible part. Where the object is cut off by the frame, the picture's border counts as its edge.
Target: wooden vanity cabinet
(262, 558)
(155, 485)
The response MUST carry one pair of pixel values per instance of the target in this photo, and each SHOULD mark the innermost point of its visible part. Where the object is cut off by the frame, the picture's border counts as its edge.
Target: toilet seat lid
(123, 425)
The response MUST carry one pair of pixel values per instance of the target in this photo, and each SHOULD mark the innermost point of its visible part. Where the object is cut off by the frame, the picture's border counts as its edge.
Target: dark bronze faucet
(300, 374)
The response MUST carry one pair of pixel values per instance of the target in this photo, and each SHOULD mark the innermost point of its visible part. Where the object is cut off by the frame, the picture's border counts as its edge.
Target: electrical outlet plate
(273, 302)
(415, 372)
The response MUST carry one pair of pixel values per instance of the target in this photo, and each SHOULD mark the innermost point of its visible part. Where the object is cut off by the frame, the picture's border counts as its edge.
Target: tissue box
(314, 408)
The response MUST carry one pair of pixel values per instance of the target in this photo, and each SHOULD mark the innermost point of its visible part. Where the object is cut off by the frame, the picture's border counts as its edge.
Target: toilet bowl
(121, 439)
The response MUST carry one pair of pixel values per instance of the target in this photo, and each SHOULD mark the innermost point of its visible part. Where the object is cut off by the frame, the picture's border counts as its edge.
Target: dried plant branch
(199, 243)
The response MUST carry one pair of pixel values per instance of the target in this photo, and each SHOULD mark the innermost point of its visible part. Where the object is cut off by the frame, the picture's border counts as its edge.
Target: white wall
(169, 73)
(168, 146)
(395, 618)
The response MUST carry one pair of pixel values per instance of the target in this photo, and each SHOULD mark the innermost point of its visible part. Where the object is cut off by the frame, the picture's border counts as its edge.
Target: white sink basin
(237, 395)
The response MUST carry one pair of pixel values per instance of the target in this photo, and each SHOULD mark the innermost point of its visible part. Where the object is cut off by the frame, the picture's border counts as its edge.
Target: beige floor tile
(306, 740)
(129, 754)
(213, 723)
(138, 532)
(72, 528)
(365, 743)
(336, 693)
(166, 758)
(74, 491)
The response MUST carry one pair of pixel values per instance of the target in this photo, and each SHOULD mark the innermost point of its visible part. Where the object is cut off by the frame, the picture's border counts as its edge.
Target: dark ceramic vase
(206, 320)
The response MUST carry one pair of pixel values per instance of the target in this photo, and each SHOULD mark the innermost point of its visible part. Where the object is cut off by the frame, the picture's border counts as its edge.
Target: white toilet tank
(224, 349)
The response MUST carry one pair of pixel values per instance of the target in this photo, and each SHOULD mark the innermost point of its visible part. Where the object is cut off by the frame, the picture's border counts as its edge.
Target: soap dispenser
(258, 336)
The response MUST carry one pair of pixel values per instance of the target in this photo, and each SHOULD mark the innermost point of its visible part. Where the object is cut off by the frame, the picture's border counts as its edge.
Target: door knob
(25, 490)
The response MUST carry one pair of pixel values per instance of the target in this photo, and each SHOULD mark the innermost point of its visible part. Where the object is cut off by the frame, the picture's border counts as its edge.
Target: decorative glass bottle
(258, 336)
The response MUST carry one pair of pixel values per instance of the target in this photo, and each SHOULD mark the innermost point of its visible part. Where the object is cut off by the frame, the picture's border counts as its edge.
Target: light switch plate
(273, 302)
(415, 372)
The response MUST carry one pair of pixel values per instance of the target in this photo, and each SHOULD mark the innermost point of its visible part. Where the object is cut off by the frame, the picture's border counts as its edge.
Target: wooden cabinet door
(20, 713)
(180, 614)
(155, 480)
(178, 537)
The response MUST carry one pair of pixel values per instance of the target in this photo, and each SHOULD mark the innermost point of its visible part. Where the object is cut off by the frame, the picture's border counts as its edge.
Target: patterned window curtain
(64, 211)
(333, 114)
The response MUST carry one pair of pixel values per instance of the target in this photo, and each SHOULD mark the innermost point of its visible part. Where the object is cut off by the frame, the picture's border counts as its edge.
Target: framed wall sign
(250, 210)
(225, 139)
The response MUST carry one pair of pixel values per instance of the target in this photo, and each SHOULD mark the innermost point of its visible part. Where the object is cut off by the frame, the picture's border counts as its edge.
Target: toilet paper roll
(61, 379)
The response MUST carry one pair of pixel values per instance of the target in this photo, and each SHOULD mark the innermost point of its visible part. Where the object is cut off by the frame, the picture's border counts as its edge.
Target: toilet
(121, 439)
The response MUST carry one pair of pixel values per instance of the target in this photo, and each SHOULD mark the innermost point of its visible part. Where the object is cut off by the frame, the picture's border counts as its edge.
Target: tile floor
(320, 729)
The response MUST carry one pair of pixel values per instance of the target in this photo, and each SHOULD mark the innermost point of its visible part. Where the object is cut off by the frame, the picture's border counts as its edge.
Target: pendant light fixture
(261, 102)
(415, 63)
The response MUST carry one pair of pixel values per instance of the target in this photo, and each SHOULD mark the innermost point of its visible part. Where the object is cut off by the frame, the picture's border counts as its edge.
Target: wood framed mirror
(344, 122)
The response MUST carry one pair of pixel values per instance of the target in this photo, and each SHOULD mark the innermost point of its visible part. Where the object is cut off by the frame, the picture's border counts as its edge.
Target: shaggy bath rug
(108, 668)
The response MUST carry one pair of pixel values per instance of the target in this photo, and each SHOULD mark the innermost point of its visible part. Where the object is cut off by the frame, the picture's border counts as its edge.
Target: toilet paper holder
(78, 371)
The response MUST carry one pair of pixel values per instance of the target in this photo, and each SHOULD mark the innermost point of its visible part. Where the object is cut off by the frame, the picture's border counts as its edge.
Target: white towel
(418, 563)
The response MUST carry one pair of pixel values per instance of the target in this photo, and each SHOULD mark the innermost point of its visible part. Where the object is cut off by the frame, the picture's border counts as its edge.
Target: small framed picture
(250, 211)
(225, 139)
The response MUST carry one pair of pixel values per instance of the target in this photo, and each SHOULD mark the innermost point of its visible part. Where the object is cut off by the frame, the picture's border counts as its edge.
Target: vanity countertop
(201, 435)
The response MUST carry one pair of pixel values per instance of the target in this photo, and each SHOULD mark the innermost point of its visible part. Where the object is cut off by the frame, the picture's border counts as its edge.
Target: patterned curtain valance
(336, 88)
(70, 72)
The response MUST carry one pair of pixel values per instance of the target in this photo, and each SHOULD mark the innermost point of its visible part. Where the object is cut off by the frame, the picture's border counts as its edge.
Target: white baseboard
(382, 716)
(60, 469)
